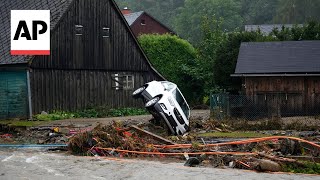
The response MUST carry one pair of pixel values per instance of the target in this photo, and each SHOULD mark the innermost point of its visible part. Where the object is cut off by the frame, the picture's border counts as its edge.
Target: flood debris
(140, 140)
(152, 135)
(260, 154)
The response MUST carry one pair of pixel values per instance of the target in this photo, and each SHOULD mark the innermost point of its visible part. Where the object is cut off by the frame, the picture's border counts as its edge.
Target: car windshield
(183, 104)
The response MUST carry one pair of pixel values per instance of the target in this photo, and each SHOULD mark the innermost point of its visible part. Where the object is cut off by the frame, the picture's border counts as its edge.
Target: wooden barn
(95, 60)
(281, 75)
(143, 23)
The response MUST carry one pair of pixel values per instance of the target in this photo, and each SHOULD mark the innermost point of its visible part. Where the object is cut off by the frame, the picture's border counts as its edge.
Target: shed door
(13, 94)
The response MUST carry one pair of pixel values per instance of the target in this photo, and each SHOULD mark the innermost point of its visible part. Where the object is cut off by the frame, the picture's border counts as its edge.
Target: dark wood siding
(79, 89)
(78, 73)
(151, 26)
(295, 95)
(91, 50)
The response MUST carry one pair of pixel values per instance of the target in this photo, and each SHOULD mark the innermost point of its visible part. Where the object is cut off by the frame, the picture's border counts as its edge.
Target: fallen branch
(153, 136)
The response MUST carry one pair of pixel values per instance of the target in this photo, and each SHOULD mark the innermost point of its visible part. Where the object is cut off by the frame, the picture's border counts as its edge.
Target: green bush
(98, 112)
(55, 115)
(176, 60)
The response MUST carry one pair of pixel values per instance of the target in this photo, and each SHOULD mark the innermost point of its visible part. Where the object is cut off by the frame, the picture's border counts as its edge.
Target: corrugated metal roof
(56, 7)
(267, 28)
(132, 17)
(279, 57)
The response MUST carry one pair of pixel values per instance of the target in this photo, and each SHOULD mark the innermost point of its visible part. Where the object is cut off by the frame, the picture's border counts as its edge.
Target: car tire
(137, 92)
(152, 102)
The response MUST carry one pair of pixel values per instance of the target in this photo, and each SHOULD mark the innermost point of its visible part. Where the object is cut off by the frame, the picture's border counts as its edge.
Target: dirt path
(32, 164)
(86, 122)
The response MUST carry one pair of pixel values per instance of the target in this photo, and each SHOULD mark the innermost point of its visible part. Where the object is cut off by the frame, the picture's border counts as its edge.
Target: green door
(13, 94)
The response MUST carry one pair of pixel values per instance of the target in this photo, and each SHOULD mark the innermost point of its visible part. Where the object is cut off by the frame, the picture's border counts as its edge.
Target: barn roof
(57, 9)
(286, 57)
(132, 17)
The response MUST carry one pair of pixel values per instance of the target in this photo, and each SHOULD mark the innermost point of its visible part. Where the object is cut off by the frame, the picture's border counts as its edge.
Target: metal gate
(13, 94)
(219, 105)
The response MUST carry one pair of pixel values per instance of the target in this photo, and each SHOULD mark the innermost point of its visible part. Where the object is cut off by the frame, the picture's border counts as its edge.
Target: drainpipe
(29, 94)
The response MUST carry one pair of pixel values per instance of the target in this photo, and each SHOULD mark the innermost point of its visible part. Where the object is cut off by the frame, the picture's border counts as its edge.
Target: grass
(233, 134)
(98, 112)
(309, 168)
(23, 123)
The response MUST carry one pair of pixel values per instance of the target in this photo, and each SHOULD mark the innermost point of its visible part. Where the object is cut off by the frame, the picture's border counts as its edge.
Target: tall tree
(297, 11)
(258, 11)
(188, 20)
(164, 10)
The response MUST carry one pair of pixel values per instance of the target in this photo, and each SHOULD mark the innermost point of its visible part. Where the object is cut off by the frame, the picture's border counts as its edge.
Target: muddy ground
(38, 164)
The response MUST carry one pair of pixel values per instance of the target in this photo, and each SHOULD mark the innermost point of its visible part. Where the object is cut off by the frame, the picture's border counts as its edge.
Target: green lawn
(20, 123)
(248, 134)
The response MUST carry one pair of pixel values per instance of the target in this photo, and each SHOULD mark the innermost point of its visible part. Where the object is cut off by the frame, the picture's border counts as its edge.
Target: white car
(164, 100)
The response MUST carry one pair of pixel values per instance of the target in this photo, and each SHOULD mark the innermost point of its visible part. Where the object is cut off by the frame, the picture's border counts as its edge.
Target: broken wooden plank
(153, 136)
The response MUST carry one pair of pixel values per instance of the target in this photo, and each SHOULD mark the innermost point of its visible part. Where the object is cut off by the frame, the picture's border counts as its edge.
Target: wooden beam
(154, 136)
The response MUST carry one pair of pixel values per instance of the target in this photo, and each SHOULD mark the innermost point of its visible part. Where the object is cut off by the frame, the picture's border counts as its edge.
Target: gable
(279, 57)
(119, 51)
(132, 17)
(57, 9)
(151, 26)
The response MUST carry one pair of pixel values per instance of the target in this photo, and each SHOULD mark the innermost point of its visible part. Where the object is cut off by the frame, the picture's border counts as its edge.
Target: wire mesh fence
(289, 107)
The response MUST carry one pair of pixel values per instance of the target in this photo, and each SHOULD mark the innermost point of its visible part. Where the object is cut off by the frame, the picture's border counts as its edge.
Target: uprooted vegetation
(262, 154)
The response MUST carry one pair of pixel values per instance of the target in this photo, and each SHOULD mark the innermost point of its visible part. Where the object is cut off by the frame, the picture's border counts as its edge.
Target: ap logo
(30, 32)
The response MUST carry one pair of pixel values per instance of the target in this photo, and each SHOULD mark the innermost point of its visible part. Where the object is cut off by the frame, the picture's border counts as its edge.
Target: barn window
(79, 30)
(128, 82)
(143, 22)
(122, 81)
(116, 80)
(105, 32)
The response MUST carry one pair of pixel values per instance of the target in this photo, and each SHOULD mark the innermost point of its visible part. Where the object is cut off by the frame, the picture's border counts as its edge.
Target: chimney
(126, 10)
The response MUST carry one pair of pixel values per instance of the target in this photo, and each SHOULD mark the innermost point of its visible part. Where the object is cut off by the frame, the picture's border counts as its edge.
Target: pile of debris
(262, 154)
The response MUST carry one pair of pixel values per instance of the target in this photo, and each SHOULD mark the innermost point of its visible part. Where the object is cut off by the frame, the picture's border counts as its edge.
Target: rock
(44, 113)
(268, 165)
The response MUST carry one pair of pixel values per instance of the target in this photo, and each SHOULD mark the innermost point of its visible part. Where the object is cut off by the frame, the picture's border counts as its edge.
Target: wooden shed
(95, 60)
(143, 23)
(282, 74)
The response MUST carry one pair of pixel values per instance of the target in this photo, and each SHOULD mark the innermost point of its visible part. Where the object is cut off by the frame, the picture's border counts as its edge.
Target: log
(153, 136)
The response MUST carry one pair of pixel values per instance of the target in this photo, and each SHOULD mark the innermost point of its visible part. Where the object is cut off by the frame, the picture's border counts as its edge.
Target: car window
(183, 104)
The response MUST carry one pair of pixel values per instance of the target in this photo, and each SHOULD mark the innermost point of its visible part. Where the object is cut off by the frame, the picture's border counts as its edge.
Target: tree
(175, 59)
(164, 10)
(297, 11)
(188, 19)
(227, 53)
(213, 37)
(258, 11)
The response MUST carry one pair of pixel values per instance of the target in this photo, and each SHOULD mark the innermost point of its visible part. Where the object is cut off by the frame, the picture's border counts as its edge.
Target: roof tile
(279, 57)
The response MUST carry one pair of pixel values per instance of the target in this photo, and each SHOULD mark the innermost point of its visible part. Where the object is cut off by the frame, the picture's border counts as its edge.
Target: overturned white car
(164, 101)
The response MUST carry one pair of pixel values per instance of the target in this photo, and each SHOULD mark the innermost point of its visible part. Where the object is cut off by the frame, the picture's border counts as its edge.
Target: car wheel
(152, 102)
(138, 91)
